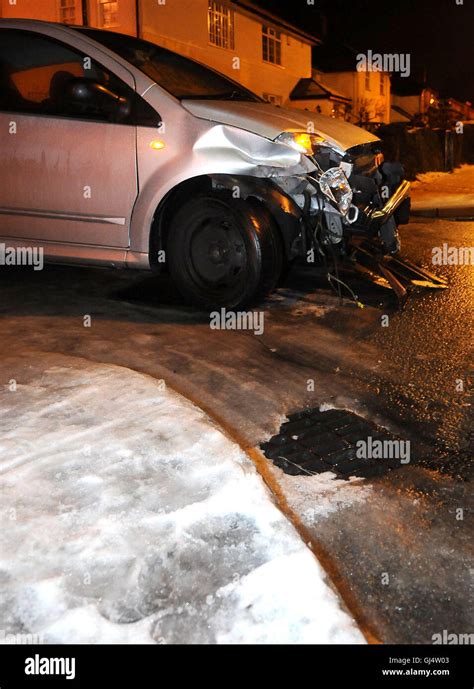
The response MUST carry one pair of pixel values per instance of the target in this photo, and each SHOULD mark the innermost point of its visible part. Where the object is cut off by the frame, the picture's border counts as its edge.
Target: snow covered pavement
(444, 191)
(128, 517)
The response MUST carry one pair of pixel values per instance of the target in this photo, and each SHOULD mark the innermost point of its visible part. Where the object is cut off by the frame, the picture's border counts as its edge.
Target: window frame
(272, 38)
(141, 109)
(225, 16)
(123, 46)
(103, 24)
(70, 4)
(368, 80)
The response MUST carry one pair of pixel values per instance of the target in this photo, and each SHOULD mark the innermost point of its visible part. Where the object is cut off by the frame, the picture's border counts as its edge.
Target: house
(368, 91)
(411, 100)
(236, 37)
(464, 112)
(315, 95)
(118, 15)
(417, 103)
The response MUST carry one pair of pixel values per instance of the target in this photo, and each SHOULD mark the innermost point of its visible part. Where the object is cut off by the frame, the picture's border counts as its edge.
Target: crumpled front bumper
(374, 218)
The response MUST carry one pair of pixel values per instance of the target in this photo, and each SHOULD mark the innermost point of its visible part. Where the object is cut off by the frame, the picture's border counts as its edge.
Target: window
(36, 74)
(382, 84)
(272, 98)
(271, 45)
(180, 76)
(109, 13)
(338, 111)
(367, 81)
(67, 11)
(221, 25)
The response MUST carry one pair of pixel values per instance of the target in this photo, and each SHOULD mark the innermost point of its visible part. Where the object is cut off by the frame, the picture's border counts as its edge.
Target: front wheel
(224, 252)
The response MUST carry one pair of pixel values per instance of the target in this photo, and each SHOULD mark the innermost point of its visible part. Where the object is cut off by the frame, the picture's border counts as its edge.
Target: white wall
(353, 86)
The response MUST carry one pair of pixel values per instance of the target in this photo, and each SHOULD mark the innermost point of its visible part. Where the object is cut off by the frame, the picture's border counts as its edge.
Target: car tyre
(224, 252)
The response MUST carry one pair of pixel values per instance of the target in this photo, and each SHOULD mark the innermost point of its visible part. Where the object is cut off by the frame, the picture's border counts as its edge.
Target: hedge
(425, 150)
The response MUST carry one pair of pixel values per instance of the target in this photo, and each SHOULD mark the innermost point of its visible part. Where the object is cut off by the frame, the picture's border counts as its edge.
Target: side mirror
(94, 98)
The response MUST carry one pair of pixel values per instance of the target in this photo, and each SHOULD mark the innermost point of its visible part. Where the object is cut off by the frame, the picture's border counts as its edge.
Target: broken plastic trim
(393, 272)
(378, 217)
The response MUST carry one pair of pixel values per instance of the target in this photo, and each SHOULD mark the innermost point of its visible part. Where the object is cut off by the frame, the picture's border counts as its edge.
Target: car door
(69, 170)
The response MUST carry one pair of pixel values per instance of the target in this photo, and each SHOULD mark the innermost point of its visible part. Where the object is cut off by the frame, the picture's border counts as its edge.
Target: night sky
(439, 34)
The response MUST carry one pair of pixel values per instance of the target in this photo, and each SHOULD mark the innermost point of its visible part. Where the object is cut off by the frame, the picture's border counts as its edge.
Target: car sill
(64, 216)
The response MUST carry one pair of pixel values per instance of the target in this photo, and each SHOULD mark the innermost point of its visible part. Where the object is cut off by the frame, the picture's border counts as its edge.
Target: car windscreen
(180, 76)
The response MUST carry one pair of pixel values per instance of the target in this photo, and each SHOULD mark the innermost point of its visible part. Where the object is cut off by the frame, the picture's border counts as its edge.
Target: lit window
(67, 11)
(221, 25)
(382, 84)
(109, 13)
(367, 81)
(271, 45)
(338, 111)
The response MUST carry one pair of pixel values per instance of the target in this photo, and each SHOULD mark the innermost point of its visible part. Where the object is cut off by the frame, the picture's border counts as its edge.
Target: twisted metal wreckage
(347, 200)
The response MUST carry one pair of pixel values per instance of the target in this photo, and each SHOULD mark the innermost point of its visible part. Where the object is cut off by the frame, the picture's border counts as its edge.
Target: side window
(39, 75)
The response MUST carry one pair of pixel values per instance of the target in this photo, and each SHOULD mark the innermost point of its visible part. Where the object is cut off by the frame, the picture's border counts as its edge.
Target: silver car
(118, 152)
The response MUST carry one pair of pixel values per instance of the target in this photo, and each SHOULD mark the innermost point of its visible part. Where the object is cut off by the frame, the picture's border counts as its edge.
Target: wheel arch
(285, 213)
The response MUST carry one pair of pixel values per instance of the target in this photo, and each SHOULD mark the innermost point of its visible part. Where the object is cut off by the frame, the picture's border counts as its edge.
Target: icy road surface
(127, 517)
(398, 548)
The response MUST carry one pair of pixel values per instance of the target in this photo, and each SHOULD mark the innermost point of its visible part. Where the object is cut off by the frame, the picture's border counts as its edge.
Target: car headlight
(335, 185)
(302, 141)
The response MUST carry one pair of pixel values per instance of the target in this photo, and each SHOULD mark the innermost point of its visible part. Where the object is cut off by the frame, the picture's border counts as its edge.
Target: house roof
(312, 89)
(276, 21)
(402, 112)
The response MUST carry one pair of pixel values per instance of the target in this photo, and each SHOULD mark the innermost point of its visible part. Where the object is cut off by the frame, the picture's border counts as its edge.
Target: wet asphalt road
(396, 546)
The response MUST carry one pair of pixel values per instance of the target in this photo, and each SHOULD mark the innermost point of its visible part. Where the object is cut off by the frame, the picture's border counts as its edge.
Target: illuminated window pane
(109, 13)
(221, 25)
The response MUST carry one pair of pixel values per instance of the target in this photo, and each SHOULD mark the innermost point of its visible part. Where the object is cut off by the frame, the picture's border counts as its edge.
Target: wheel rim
(217, 254)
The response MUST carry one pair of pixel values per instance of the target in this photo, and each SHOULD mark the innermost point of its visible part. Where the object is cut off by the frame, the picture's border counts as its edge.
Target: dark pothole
(314, 442)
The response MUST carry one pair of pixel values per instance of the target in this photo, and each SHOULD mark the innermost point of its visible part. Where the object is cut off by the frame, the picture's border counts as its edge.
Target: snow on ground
(128, 517)
(444, 189)
(316, 497)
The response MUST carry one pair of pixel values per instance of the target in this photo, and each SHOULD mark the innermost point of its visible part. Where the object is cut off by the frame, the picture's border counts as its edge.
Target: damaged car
(119, 152)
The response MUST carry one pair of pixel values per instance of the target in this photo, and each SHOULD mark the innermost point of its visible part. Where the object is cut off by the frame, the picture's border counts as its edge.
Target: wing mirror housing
(95, 98)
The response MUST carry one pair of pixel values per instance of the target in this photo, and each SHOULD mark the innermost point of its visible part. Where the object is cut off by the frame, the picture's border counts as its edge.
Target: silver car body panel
(69, 180)
(74, 186)
(54, 159)
(269, 121)
(195, 147)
